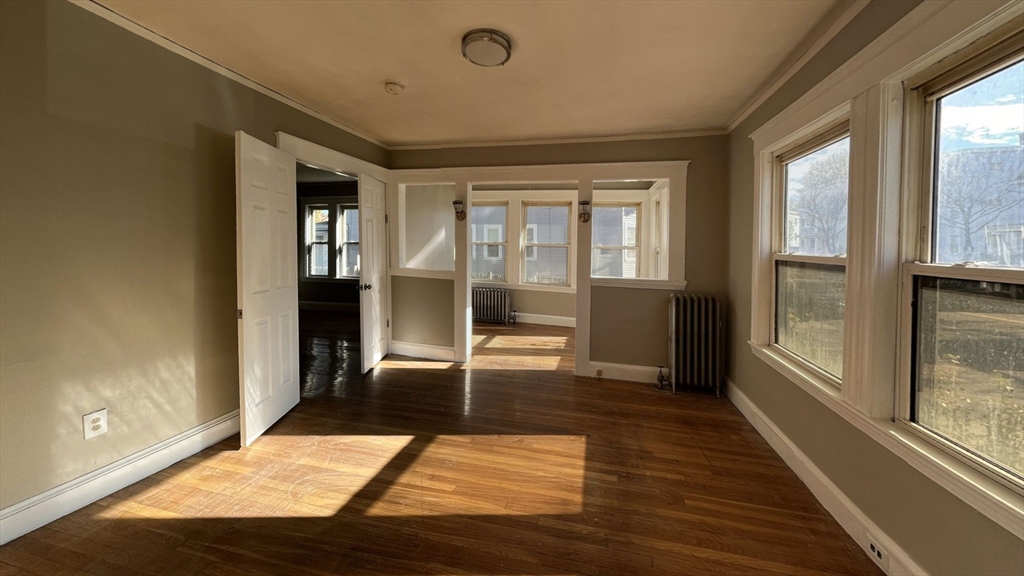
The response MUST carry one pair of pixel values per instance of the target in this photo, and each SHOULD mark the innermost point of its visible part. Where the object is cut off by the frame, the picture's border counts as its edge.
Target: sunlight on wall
(216, 486)
(490, 475)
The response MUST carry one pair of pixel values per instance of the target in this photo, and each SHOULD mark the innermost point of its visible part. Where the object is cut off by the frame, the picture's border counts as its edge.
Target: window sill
(645, 283)
(998, 502)
(525, 287)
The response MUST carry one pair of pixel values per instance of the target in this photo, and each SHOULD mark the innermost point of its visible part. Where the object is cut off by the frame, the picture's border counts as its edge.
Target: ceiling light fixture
(486, 47)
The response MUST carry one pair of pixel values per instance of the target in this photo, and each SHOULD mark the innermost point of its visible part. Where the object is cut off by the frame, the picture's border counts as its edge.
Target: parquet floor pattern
(510, 465)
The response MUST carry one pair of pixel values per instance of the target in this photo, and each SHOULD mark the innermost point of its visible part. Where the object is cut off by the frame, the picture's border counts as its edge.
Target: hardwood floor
(433, 468)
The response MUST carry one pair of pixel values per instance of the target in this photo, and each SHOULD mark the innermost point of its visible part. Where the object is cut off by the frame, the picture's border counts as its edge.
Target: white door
(372, 273)
(268, 297)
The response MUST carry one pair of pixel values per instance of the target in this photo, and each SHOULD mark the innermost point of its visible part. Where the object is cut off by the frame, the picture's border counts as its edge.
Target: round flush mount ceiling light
(393, 88)
(486, 47)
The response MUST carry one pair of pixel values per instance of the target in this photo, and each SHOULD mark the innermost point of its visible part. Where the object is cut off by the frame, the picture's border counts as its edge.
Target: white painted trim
(414, 273)
(525, 287)
(990, 497)
(788, 70)
(425, 351)
(627, 372)
(526, 318)
(638, 283)
(850, 517)
(319, 156)
(23, 517)
(166, 43)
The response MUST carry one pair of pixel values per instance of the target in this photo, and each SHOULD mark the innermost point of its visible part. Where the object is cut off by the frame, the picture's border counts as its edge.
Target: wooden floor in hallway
(510, 465)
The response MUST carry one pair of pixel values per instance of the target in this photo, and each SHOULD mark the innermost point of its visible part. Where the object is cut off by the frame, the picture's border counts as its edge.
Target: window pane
(489, 223)
(320, 217)
(552, 223)
(551, 265)
(351, 218)
(817, 187)
(809, 312)
(485, 267)
(350, 260)
(613, 263)
(969, 373)
(614, 225)
(979, 181)
(318, 260)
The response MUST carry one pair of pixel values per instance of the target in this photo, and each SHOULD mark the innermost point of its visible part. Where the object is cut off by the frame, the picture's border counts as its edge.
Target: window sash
(535, 245)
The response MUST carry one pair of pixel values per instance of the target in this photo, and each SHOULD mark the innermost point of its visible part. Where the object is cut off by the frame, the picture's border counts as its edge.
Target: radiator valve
(662, 379)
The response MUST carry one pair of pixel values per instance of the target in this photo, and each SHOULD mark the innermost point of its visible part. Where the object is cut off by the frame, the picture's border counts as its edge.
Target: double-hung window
(331, 240)
(490, 241)
(616, 244)
(546, 244)
(963, 282)
(811, 183)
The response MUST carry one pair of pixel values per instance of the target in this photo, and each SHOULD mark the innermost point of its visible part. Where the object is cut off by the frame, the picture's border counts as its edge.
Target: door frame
(675, 171)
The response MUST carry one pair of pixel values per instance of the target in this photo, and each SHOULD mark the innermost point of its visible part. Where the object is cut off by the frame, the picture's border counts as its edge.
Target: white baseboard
(522, 318)
(628, 372)
(424, 351)
(851, 518)
(24, 517)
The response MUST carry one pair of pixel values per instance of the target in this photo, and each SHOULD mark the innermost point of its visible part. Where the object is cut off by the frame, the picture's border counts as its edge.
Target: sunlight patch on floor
(307, 477)
(540, 342)
(490, 475)
(482, 362)
(390, 362)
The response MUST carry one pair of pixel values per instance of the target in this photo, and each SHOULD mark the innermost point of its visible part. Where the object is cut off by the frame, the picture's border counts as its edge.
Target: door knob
(367, 287)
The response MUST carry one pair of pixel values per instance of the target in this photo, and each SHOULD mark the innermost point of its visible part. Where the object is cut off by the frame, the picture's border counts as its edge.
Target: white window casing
(884, 239)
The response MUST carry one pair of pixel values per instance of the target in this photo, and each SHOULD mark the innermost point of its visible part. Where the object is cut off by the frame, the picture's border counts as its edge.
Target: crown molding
(578, 140)
(164, 42)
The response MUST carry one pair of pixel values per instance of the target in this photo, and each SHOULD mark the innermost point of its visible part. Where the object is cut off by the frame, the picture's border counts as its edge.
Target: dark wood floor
(432, 468)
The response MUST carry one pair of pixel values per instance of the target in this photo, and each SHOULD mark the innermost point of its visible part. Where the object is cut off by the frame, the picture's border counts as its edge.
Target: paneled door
(268, 298)
(372, 272)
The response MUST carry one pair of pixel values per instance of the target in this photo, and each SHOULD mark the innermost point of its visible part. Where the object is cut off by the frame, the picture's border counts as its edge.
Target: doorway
(329, 280)
(523, 238)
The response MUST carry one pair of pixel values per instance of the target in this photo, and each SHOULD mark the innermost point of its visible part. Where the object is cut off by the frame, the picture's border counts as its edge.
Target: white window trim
(869, 88)
(570, 232)
(342, 208)
(638, 244)
(335, 205)
(504, 244)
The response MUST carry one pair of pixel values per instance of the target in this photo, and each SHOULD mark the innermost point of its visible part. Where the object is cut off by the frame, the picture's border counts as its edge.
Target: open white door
(268, 297)
(372, 273)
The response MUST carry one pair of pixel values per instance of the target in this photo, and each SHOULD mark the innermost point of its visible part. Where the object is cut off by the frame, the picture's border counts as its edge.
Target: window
(489, 242)
(615, 241)
(331, 244)
(966, 282)
(809, 260)
(546, 244)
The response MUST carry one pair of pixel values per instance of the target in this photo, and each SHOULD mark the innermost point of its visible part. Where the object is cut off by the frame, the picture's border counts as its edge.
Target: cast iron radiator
(493, 305)
(696, 342)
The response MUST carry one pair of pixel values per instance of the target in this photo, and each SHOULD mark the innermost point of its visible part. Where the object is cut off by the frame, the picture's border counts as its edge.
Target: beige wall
(117, 228)
(939, 531)
(546, 303)
(423, 310)
(706, 222)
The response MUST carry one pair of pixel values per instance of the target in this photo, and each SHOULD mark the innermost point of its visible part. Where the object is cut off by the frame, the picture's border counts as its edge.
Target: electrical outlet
(878, 555)
(600, 372)
(95, 423)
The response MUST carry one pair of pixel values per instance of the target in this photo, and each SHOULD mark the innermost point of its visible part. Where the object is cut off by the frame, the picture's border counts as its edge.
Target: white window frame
(569, 261)
(921, 95)
(502, 246)
(335, 207)
(343, 244)
(870, 90)
(309, 242)
(780, 158)
(623, 246)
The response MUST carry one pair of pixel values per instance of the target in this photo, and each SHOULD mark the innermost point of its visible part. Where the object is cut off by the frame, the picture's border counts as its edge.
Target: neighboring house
(614, 229)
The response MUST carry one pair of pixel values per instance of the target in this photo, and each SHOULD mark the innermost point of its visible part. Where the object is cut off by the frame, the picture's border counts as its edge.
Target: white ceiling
(578, 69)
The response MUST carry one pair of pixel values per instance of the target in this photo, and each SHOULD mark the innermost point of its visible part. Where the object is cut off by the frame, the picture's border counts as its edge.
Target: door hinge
(239, 313)
(385, 218)
(389, 323)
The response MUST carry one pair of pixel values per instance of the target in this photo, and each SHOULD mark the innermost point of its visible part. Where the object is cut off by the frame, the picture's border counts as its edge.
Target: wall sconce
(460, 212)
(584, 211)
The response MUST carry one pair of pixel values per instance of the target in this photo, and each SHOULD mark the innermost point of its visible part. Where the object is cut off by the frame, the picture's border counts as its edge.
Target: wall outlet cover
(95, 423)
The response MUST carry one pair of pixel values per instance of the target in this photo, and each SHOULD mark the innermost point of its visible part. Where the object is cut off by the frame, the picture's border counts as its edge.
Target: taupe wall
(429, 227)
(944, 535)
(117, 239)
(706, 217)
(423, 310)
(546, 303)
